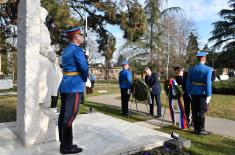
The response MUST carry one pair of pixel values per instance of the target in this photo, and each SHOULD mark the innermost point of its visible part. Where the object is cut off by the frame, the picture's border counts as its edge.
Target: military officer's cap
(125, 62)
(201, 54)
(73, 31)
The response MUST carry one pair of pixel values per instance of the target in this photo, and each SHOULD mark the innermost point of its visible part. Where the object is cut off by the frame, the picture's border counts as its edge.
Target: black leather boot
(54, 100)
(66, 146)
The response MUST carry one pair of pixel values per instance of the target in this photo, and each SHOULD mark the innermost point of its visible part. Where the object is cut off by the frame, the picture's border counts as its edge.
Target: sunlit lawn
(7, 108)
(222, 106)
(205, 145)
(208, 145)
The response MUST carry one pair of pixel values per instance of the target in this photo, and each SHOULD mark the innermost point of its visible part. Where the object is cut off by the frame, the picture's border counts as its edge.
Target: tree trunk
(107, 68)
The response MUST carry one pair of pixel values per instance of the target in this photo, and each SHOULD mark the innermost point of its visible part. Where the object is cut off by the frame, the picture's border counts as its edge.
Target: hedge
(224, 87)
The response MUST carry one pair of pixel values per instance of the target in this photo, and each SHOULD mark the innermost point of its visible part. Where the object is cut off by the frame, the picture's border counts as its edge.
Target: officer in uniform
(125, 85)
(75, 73)
(198, 85)
(181, 78)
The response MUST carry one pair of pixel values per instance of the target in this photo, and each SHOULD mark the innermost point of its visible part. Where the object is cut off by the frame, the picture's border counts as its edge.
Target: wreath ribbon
(175, 94)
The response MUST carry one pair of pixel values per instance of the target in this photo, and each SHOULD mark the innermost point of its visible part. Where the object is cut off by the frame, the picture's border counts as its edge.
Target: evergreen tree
(192, 50)
(121, 58)
(224, 33)
(225, 59)
(155, 27)
(211, 56)
(8, 17)
(58, 20)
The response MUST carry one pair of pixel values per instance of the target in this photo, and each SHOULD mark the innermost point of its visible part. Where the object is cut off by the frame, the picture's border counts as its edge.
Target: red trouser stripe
(76, 103)
(74, 111)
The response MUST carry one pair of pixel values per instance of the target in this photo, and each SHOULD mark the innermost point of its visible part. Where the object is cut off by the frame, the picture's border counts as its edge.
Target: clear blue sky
(202, 12)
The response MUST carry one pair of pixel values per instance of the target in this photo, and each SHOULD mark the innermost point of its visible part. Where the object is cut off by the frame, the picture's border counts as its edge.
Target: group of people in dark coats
(196, 87)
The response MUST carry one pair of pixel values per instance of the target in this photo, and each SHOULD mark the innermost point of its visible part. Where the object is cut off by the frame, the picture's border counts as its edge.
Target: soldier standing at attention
(75, 73)
(198, 85)
(125, 85)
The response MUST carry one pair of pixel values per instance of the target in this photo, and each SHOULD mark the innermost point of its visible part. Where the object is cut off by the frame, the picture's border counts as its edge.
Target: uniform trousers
(125, 98)
(198, 112)
(158, 102)
(187, 102)
(68, 112)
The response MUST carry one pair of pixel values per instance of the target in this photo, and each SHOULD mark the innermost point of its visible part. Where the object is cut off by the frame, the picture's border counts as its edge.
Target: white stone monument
(36, 122)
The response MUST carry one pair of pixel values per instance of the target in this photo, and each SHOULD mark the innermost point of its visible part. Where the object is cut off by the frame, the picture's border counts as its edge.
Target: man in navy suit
(151, 79)
(198, 85)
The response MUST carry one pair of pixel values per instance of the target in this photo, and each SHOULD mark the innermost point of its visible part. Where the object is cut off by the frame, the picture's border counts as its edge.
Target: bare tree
(92, 47)
(175, 37)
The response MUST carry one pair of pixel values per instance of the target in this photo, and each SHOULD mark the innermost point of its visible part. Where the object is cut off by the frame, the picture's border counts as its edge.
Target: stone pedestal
(35, 123)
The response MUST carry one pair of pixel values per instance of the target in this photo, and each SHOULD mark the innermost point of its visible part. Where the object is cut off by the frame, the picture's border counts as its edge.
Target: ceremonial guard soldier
(75, 73)
(198, 85)
(125, 86)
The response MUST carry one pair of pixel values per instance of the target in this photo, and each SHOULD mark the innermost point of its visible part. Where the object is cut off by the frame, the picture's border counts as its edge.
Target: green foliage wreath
(177, 93)
(140, 90)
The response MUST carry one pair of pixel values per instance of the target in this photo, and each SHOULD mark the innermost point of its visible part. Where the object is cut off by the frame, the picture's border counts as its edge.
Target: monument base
(96, 133)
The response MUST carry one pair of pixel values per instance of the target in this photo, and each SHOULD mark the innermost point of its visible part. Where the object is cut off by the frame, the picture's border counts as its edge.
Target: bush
(224, 87)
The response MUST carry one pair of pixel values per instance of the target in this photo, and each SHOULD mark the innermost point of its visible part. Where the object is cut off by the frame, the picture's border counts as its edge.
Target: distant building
(100, 72)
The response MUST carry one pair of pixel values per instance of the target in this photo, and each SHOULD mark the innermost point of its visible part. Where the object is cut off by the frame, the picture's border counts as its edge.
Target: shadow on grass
(116, 112)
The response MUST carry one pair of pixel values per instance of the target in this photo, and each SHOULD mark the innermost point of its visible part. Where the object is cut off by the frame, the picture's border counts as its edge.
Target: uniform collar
(74, 44)
(201, 63)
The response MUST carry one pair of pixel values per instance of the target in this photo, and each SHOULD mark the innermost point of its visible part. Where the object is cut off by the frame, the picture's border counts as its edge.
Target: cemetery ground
(222, 106)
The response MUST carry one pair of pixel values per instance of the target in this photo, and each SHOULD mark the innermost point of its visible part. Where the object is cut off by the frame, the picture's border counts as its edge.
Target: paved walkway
(217, 126)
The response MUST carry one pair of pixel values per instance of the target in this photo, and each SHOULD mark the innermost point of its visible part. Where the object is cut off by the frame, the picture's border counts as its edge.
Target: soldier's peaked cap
(201, 54)
(73, 31)
(125, 62)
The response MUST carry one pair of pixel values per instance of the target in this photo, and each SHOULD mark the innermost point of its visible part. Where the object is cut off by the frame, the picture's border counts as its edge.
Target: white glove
(88, 83)
(86, 52)
(208, 99)
(129, 91)
(190, 97)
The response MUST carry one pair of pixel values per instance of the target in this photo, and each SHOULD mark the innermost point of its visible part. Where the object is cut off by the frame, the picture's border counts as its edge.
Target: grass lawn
(205, 145)
(208, 145)
(111, 89)
(222, 106)
(7, 108)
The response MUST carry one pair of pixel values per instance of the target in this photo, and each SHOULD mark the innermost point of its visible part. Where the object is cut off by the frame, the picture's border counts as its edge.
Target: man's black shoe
(203, 132)
(71, 150)
(158, 116)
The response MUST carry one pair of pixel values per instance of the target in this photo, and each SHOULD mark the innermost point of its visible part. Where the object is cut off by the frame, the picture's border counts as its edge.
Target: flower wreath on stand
(140, 90)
